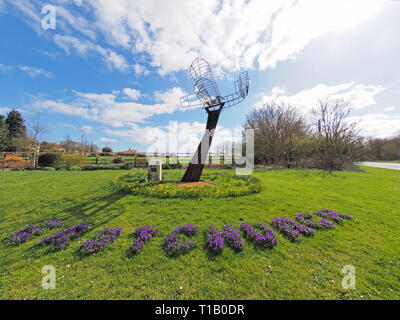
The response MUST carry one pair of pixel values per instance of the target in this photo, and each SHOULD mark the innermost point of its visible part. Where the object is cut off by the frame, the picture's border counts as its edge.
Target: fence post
(233, 156)
(135, 161)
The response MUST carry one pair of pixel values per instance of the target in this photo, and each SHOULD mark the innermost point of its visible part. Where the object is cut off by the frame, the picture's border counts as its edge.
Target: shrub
(75, 168)
(14, 162)
(48, 169)
(69, 160)
(118, 160)
(48, 159)
(106, 150)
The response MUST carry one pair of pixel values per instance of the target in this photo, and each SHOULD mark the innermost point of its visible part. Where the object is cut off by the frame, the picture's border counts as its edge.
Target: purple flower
(266, 238)
(142, 234)
(101, 239)
(60, 239)
(51, 224)
(291, 228)
(23, 235)
(173, 247)
(333, 215)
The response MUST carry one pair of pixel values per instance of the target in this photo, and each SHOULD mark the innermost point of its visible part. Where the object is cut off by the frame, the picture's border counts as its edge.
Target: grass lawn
(310, 269)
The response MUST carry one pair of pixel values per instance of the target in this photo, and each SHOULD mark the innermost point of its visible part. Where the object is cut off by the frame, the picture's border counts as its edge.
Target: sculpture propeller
(206, 93)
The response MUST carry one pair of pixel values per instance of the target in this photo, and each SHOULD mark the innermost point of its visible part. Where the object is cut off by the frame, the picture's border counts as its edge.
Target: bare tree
(36, 130)
(83, 141)
(339, 140)
(275, 125)
(69, 145)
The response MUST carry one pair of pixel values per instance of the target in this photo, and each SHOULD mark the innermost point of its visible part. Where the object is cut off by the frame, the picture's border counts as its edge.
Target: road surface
(384, 165)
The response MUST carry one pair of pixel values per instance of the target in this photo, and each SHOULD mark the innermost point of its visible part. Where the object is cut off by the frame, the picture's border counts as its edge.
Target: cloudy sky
(116, 69)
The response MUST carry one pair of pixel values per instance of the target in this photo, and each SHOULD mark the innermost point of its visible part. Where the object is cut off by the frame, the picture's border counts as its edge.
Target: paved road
(395, 166)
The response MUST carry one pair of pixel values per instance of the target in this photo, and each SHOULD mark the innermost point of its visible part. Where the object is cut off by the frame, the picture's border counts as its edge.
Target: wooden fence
(137, 160)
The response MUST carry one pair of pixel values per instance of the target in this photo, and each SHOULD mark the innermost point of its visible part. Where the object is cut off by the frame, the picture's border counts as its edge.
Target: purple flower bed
(291, 228)
(333, 215)
(61, 239)
(143, 235)
(101, 239)
(23, 235)
(305, 218)
(228, 236)
(51, 224)
(215, 240)
(232, 237)
(173, 247)
(264, 239)
(325, 224)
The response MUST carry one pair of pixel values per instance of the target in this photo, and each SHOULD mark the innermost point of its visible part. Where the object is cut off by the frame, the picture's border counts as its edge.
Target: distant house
(51, 147)
(128, 152)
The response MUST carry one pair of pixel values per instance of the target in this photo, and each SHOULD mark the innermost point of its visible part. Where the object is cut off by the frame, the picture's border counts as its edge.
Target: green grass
(310, 269)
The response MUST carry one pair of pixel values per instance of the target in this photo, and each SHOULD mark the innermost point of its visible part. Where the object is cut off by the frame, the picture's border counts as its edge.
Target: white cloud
(139, 70)
(359, 96)
(66, 19)
(389, 108)
(132, 93)
(112, 108)
(378, 125)
(33, 72)
(85, 47)
(107, 140)
(231, 34)
(4, 110)
(5, 68)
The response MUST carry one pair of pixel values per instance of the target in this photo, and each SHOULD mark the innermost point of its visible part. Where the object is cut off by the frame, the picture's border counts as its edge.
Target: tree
(69, 145)
(36, 130)
(275, 126)
(339, 143)
(3, 134)
(16, 129)
(106, 150)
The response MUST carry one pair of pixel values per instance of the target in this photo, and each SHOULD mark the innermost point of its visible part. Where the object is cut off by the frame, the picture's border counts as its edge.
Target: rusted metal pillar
(196, 166)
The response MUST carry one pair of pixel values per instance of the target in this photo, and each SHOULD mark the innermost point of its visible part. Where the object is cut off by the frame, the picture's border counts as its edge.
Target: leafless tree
(36, 131)
(83, 141)
(275, 125)
(339, 139)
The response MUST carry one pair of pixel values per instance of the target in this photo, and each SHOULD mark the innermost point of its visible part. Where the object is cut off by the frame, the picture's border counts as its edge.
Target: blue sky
(116, 69)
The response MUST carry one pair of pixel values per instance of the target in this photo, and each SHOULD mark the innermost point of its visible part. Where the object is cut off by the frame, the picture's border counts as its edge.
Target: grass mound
(221, 185)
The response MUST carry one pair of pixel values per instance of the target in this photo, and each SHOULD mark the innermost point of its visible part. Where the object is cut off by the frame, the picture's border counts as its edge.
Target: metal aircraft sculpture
(206, 93)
